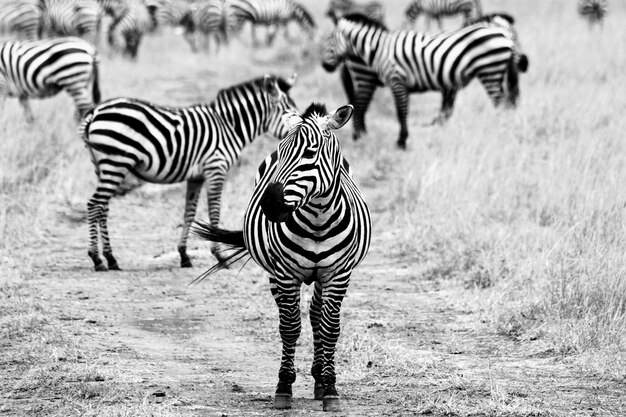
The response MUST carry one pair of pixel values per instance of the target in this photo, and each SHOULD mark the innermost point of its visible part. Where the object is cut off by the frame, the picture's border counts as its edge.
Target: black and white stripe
(213, 19)
(408, 61)
(373, 10)
(21, 17)
(306, 222)
(166, 145)
(272, 14)
(42, 68)
(436, 9)
(79, 18)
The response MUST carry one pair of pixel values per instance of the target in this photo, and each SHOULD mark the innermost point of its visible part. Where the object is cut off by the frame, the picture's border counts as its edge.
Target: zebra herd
(306, 221)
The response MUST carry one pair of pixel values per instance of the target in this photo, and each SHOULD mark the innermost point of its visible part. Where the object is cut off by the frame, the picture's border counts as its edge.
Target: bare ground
(144, 342)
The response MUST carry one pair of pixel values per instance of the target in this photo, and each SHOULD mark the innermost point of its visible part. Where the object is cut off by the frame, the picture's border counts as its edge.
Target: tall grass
(525, 210)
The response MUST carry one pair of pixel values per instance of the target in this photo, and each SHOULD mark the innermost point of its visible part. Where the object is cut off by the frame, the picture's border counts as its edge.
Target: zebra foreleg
(287, 296)
(28, 112)
(329, 334)
(315, 315)
(362, 99)
(401, 97)
(94, 212)
(191, 202)
(82, 99)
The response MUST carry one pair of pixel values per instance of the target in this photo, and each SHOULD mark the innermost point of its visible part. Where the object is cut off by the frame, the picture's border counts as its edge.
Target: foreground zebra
(436, 9)
(271, 13)
(593, 11)
(408, 61)
(166, 145)
(306, 222)
(42, 68)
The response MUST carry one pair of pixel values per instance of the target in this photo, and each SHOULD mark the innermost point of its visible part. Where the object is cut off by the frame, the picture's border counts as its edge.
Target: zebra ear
(340, 117)
(270, 85)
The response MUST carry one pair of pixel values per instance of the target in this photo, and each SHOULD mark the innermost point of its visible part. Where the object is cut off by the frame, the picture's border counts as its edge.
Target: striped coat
(306, 223)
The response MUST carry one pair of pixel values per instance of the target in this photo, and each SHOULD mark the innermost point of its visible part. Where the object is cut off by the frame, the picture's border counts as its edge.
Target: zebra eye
(309, 153)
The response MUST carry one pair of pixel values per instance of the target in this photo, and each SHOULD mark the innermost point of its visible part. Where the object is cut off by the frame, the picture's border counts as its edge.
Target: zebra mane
(488, 18)
(258, 82)
(315, 108)
(361, 18)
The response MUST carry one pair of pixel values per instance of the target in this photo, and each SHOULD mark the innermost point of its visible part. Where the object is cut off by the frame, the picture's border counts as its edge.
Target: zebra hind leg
(447, 107)
(28, 112)
(106, 243)
(191, 202)
(94, 212)
(287, 295)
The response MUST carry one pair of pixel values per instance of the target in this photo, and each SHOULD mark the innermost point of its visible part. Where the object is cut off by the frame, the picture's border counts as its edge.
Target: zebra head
(280, 102)
(412, 12)
(337, 50)
(308, 162)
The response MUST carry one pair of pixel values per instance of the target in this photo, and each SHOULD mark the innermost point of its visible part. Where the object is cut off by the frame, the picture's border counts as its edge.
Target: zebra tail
(512, 81)
(522, 65)
(96, 80)
(232, 239)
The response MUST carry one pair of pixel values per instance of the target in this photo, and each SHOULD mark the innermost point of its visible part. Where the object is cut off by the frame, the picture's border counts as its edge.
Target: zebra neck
(324, 206)
(245, 123)
(367, 46)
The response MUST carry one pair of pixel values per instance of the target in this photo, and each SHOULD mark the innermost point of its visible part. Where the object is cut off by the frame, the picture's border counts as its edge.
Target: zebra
(166, 145)
(22, 17)
(306, 222)
(211, 18)
(593, 11)
(42, 68)
(178, 14)
(271, 13)
(72, 18)
(408, 61)
(134, 21)
(435, 9)
(373, 10)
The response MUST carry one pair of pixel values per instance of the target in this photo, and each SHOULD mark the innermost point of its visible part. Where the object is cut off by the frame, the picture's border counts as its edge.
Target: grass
(520, 214)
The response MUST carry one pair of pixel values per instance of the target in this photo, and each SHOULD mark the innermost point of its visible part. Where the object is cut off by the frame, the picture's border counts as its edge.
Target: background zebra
(373, 10)
(408, 61)
(166, 145)
(42, 68)
(306, 222)
(436, 9)
(72, 18)
(594, 11)
(130, 25)
(21, 17)
(272, 14)
(212, 19)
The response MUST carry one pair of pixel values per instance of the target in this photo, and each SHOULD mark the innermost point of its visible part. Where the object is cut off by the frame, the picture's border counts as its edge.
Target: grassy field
(495, 285)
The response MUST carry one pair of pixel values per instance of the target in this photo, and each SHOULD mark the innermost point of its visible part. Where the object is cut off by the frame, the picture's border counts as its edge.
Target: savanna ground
(495, 284)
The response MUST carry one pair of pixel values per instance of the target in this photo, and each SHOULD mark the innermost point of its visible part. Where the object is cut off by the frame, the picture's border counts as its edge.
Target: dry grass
(521, 214)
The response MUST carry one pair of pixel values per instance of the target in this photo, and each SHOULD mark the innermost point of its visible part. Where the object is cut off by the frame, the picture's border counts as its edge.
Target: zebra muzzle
(273, 203)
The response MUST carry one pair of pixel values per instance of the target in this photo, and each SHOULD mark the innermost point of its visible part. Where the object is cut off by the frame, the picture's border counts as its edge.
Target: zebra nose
(273, 203)
(328, 66)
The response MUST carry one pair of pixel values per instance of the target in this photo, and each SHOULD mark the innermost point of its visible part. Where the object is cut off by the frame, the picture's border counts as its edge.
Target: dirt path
(407, 347)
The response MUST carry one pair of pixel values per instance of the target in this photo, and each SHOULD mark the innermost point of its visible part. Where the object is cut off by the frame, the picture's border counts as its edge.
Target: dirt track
(407, 346)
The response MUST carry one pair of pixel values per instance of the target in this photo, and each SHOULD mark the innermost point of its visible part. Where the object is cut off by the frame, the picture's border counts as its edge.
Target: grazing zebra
(42, 68)
(22, 17)
(212, 18)
(72, 18)
(373, 10)
(306, 222)
(593, 11)
(271, 13)
(178, 14)
(166, 145)
(435, 9)
(131, 25)
(408, 61)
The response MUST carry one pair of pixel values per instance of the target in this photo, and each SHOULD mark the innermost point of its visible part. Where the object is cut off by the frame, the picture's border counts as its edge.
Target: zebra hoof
(186, 263)
(282, 401)
(331, 403)
(114, 267)
(101, 267)
(401, 145)
(318, 391)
